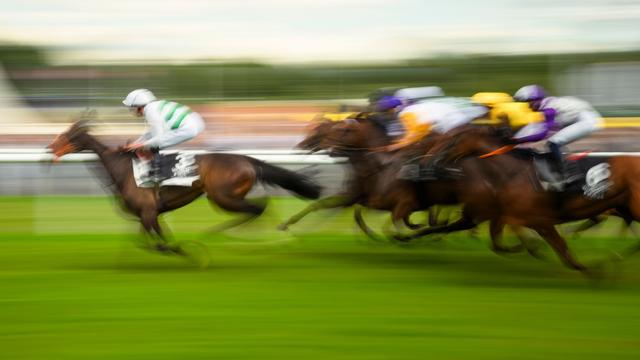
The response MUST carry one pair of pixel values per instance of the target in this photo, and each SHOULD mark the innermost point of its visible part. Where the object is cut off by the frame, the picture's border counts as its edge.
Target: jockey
(504, 111)
(438, 115)
(571, 119)
(386, 105)
(168, 123)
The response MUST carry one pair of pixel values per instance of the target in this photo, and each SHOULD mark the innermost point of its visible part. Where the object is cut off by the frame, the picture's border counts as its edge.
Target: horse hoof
(196, 252)
(283, 227)
(508, 249)
(402, 238)
(163, 248)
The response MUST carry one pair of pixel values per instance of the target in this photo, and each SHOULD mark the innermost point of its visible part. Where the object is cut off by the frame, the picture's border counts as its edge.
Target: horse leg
(434, 213)
(531, 245)
(149, 220)
(357, 216)
(464, 223)
(400, 213)
(496, 228)
(550, 234)
(230, 203)
(628, 217)
(587, 224)
(329, 202)
(407, 222)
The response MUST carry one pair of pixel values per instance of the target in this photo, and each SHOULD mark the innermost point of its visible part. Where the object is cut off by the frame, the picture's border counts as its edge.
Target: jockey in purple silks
(566, 119)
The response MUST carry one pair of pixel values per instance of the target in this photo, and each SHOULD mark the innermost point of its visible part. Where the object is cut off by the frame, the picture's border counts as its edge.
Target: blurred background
(258, 74)
(74, 286)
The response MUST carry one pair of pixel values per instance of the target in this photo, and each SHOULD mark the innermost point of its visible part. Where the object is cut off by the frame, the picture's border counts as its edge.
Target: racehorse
(346, 138)
(224, 178)
(512, 193)
(375, 183)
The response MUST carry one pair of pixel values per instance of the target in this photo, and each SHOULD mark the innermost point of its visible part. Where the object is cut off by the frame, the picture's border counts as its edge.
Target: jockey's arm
(189, 128)
(171, 138)
(415, 131)
(541, 130)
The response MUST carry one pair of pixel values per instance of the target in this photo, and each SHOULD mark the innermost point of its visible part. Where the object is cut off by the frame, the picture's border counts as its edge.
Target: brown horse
(511, 193)
(224, 178)
(374, 182)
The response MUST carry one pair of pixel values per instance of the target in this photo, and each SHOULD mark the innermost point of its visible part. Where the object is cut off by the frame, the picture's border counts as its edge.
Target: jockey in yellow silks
(503, 110)
(439, 115)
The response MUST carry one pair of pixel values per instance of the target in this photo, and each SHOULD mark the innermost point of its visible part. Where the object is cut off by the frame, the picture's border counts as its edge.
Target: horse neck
(367, 164)
(377, 138)
(91, 143)
(111, 160)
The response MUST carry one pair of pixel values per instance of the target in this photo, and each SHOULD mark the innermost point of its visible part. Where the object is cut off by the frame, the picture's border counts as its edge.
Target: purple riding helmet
(532, 94)
(387, 102)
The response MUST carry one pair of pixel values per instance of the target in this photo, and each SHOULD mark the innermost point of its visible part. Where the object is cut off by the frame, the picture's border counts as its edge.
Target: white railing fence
(293, 157)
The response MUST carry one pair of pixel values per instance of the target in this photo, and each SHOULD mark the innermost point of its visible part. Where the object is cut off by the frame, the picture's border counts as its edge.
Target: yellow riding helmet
(490, 99)
(337, 116)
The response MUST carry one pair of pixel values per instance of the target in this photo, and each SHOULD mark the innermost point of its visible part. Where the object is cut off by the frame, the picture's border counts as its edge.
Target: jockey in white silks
(168, 123)
(566, 119)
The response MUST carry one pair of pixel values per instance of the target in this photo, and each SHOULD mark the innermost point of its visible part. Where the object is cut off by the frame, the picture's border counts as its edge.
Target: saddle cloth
(174, 169)
(586, 175)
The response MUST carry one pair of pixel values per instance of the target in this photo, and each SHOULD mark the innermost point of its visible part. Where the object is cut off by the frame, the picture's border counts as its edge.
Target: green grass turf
(74, 286)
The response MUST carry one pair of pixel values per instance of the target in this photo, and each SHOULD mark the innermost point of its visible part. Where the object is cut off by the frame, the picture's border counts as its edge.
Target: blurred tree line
(204, 81)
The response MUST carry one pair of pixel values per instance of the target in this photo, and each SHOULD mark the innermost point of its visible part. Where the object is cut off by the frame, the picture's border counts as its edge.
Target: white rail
(27, 155)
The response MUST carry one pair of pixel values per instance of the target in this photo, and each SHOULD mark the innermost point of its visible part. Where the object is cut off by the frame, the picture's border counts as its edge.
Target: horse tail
(300, 184)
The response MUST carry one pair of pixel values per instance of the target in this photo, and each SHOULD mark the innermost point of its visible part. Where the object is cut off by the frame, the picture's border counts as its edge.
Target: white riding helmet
(139, 98)
(419, 93)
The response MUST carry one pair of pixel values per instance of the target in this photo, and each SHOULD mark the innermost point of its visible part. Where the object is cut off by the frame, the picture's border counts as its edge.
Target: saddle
(415, 170)
(166, 169)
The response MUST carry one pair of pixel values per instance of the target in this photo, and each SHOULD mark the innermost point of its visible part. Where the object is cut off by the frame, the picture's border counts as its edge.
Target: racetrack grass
(74, 286)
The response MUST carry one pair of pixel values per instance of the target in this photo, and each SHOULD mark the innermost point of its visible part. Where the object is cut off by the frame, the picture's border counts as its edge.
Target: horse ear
(88, 114)
(81, 125)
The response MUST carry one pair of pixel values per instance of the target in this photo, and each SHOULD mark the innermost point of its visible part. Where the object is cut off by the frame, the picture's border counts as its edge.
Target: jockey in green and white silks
(168, 123)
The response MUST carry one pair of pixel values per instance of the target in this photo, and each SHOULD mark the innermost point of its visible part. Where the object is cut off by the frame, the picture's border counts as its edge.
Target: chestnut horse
(513, 195)
(374, 181)
(224, 178)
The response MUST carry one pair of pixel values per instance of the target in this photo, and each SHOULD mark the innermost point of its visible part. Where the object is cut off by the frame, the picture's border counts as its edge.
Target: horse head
(353, 135)
(75, 139)
(316, 131)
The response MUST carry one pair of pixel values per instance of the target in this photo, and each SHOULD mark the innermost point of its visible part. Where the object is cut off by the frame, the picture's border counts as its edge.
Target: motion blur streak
(79, 281)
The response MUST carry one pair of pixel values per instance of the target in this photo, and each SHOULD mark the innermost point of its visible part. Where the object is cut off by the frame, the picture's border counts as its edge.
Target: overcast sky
(316, 30)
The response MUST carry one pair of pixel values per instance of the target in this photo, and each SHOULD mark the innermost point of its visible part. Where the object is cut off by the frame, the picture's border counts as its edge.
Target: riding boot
(558, 165)
(156, 171)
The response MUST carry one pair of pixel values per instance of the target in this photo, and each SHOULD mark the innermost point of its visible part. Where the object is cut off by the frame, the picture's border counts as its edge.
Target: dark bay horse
(374, 182)
(354, 138)
(224, 178)
(511, 194)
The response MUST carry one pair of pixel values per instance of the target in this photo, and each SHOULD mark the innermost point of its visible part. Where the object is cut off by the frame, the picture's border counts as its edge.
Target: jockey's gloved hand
(506, 134)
